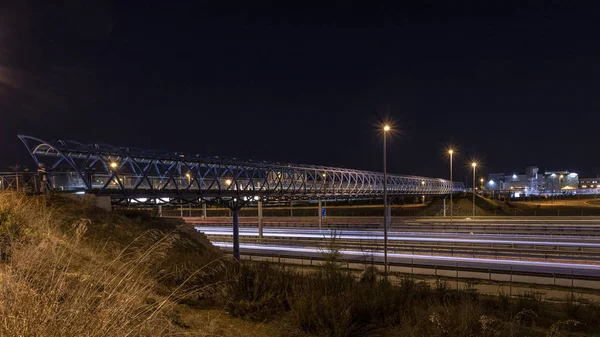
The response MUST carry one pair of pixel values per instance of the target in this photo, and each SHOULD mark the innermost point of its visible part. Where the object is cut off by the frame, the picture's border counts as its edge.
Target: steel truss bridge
(156, 177)
(131, 175)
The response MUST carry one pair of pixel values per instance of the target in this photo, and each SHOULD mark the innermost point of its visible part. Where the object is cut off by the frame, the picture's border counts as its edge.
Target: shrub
(587, 314)
(468, 293)
(569, 325)
(442, 291)
(256, 291)
(530, 300)
(499, 304)
(334, 303)
(525, 317)
(573, 310)
(331, 253)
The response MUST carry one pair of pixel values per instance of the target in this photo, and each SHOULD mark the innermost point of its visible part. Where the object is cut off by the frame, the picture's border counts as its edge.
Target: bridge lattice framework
(146, 176)
(128, 174)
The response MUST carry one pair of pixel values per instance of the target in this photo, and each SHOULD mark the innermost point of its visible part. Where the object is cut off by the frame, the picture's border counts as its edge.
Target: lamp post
(450, 152)
(474, 164)
(560, 181)
(113, 168)
(386, 128)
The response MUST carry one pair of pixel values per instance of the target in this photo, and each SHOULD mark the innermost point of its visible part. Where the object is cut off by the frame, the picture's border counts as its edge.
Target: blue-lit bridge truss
(154, 177)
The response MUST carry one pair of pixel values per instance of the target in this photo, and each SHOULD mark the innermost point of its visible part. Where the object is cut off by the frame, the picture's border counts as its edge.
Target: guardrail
(500, 252)
(586, 228)
(20, 181)
(457, 271)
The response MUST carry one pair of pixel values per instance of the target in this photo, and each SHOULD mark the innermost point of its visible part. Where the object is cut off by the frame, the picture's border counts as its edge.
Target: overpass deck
(155, 177)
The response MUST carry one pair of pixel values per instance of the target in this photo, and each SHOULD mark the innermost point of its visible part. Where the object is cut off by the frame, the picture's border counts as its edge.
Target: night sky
(511, 85)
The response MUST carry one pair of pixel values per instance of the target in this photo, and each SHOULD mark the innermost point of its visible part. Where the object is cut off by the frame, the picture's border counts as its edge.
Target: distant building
(516, 182)
(561, 181)
(534, 183)
(589, 185)
(495, 181)
(536, 180)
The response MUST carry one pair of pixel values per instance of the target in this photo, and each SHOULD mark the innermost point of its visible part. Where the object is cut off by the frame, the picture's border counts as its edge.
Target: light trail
(464, 262)
(254, 231)
(374, 235)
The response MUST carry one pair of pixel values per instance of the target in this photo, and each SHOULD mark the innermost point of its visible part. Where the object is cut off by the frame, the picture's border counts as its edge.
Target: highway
(542, 220)
(525, 252)
(437, 237)
(574, 227)
(534, 267)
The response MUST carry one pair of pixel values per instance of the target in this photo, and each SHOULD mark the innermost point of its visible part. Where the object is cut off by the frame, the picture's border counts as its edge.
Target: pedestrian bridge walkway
(147, 176)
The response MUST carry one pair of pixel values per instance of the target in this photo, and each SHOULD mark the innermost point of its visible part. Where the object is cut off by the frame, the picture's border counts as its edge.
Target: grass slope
(73, 270)
(68, 269)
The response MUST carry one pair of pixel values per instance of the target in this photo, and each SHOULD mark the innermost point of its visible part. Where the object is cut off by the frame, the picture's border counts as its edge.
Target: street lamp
(451, 152)
(386, 129)
(113, 165)
(474, 164)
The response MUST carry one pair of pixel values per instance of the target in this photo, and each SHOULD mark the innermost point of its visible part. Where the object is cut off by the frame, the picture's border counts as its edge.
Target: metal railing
(506, 251)
(21, 181)
(159, 177)
(512, 278)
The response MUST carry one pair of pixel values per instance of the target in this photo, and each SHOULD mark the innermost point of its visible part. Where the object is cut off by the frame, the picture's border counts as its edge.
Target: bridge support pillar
(204, 210)
(160, 210)
(236, 233)
(260, 216)
(444, 207)
(234, 207)
(319, 213)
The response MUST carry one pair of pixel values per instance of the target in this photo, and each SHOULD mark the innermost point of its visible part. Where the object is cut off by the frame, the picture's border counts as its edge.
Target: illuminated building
(589, 185)
(534, 183)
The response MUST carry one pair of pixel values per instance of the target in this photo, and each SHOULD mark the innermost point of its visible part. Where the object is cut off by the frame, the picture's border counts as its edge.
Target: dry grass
(333, 302)
(72, 270)
(54, 283)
